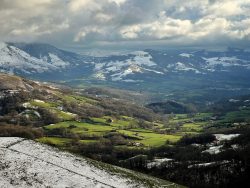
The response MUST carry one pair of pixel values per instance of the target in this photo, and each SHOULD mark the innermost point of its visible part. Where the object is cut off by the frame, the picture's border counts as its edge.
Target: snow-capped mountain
(119, 68)
(14, 59)
(36, 59)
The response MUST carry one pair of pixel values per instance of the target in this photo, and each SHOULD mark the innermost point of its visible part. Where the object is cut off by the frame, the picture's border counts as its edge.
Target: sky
(118, 24)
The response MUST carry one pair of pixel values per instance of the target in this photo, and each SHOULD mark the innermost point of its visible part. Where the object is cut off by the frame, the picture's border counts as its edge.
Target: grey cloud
(130, 22)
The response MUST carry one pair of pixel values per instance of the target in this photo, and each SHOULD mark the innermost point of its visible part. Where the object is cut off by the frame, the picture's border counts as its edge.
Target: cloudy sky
(126, 23)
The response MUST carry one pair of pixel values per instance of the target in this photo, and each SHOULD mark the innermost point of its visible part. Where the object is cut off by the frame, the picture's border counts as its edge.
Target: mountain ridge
(118, 67)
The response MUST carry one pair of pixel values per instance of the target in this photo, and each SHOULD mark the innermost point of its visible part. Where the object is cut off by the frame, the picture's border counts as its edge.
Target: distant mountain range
(22, 58)
(169, 70)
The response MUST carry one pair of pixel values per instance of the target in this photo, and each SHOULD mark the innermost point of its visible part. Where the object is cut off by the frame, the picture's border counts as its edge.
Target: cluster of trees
(197, 139)
(104, 150)
(169, 107)
(128, 109)
(11, 103)
(138, 162)
(83, 110)
(47, 117)
(229, 104)
(7, 130)
(110, 107)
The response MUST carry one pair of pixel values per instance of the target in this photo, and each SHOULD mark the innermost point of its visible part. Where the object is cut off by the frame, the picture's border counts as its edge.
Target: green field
(129, 128)
(193, 127)
(54, 108)
(54, 141)
(60, 141)
(151, 139)
(159, 134)
(99, 127)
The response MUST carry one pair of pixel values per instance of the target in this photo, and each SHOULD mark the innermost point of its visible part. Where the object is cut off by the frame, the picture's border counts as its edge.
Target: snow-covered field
(26, 163)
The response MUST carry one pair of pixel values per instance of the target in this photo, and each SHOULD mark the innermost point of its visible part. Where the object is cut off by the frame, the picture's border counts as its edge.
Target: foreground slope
(25, 163)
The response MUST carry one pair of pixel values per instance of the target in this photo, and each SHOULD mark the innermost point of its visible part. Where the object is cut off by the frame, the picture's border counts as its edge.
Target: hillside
(169, 107)
(25, 163)
(66, 114)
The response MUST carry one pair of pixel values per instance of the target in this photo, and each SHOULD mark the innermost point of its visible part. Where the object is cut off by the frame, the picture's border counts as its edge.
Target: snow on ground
(186, 55)
(26, 105)
(6, 141)
(39, 101)
(158, 162)
(213, 149)
(69, 113)
(209, 164)
(55, 60)
(216, 147)
(182, 67)
(143, 58)
(99, 76)
(2, 45)
(13, 57)
(118, 70)
(233, 100)
(224, 137)
(224, 61)
(150, 70)
(27, 171)
(131, 81)
(26, 163)
(130, 70)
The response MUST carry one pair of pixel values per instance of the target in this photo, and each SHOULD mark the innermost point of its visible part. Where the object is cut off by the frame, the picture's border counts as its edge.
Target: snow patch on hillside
(182, 67)
(213, 149)
(6, 141)
(56, 61)
(224, 137)
(224, 61)
(143, 58)
(158, 162)
(216, 147)
(2, 45)
(118, 70)
(186, 55)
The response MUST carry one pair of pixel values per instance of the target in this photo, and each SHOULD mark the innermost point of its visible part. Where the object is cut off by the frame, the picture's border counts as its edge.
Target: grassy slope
(146, 180)
(53, 107)
(144, 136)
